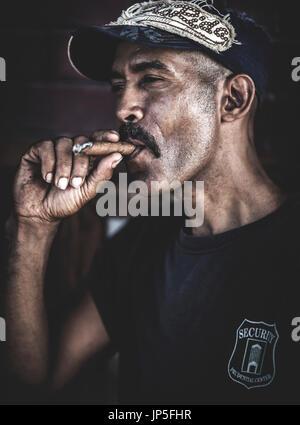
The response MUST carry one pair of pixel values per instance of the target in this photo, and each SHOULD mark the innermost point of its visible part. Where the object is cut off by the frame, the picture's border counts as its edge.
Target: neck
(237, 190)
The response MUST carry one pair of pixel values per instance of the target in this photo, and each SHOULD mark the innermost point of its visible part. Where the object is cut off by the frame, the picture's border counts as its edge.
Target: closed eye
(117, 87)
(150, 79)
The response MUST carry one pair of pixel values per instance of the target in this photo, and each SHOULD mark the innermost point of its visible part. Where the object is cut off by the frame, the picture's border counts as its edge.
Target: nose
(130, 107)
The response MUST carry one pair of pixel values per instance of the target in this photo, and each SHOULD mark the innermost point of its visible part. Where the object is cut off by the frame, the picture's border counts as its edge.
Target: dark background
(44, 97)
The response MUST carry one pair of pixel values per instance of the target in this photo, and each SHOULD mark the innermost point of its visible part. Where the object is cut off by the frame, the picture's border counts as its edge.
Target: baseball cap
(228, 36)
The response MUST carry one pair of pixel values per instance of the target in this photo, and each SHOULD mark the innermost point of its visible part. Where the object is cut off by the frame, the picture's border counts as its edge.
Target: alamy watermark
(2, 69)
(296, 330)
(296, 70)
(2, 330)
(160, 199)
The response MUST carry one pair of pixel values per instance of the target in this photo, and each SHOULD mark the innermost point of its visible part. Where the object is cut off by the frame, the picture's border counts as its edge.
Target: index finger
(105, 136)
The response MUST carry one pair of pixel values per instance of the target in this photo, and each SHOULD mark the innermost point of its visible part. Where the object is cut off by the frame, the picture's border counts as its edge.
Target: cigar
(103, 148)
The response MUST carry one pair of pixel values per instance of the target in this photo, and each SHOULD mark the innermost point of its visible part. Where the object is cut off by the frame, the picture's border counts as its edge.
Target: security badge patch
(252, 363)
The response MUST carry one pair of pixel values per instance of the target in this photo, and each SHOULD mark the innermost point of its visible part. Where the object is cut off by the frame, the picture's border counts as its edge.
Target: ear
(238, 97)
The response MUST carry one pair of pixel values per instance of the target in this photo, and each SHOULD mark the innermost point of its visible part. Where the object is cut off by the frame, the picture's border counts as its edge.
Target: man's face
(162, 103)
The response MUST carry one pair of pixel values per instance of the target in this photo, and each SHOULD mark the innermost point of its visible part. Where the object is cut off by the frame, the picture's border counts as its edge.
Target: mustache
(135, 131)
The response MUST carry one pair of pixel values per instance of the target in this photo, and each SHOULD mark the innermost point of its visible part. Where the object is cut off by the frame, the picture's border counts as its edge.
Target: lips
(136, 142)
(136, 152)
(139, 147)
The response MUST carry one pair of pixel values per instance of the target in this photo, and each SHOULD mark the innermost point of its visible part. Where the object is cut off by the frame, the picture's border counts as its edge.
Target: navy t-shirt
(204, 320)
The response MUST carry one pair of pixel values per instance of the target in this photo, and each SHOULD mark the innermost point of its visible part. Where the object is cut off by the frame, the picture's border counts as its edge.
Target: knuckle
(48, 163)
(24, 158)
(103, 134)
(105, 169)
(80, 139)
(107, 174)
(44, 144)
(46, 152)
(64, 143)
(63, 139)
(80, 169)
(97, 135)
(47, 143)
(39, 146)
(64, 156)
(107, 133)
(81, 159)
(64, 164)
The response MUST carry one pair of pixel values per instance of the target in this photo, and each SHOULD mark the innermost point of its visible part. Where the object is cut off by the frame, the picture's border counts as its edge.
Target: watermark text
(148, 416)
(296, 330)
(2, 330)
(296, 70)
(2, 69)
(160, 199)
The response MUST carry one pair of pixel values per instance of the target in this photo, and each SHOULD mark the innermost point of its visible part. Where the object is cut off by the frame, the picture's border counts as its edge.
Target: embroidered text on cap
(186, 19)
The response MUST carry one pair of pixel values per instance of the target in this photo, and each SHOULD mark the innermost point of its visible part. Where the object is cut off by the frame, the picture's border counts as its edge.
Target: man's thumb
(103, 172)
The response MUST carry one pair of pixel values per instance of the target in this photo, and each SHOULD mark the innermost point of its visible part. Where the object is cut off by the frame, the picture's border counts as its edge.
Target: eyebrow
(143, 66)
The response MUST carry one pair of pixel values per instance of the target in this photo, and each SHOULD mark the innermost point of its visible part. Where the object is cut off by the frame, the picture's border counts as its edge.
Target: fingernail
(49, 177)
(117, 161)
(77, 182)
(63, 183)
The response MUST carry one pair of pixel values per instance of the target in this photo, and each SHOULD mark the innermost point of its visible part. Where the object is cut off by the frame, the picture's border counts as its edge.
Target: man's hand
(52, 183)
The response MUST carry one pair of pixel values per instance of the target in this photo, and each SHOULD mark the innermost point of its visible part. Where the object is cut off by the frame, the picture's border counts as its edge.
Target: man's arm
(83, 335)
(27, 329)
(40, 204)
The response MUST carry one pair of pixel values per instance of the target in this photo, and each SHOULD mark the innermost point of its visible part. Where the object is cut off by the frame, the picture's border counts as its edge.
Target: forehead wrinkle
(129, 56)
(145, 65)
(125, 53)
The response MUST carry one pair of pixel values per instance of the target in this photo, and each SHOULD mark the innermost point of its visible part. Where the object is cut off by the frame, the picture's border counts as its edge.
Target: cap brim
(92, 50)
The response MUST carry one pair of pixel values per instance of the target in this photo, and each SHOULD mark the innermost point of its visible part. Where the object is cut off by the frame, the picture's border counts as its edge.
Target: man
(198, 315)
